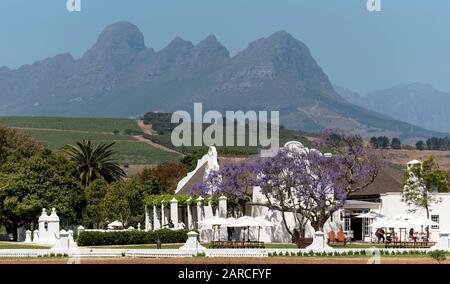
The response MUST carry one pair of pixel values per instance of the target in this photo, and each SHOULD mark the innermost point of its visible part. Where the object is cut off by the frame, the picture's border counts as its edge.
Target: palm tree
(94, 163)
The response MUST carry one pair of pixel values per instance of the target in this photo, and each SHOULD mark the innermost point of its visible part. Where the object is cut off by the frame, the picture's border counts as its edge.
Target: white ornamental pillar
(189, 214)
(156, 223)
(319, 242)
(36, 236)
(43, 226)
(80, 229)
(192, 243)
(174, 212)
(223, 206)
(28, 236)
(53, 226)
(199, 211)
(70, 232)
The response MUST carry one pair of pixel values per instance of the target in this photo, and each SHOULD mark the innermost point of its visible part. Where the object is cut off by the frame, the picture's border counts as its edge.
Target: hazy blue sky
(409, 41)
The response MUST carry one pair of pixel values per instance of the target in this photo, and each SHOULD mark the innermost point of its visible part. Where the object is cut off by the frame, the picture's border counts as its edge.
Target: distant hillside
(418, 104)
(162, 127)
(55, 132)
(120, 77)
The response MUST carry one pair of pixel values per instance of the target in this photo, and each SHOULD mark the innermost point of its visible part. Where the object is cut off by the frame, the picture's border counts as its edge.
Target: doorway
(356, 227)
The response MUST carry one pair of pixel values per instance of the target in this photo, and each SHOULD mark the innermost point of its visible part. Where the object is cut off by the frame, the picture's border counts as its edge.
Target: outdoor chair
(331, 236)
(341, 237)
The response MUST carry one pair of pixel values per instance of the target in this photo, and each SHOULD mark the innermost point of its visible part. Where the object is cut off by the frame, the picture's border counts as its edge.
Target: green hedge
(87, 238)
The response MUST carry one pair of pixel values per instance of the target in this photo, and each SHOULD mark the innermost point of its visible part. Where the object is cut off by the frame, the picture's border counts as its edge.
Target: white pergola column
(174, 211)
(156, 223)
(223, 207)
(209, 213)
(163, 215)
(189, 214)
(148, 223)
(199, 211)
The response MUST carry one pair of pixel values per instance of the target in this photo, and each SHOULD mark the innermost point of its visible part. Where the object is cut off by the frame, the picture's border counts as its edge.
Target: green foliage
(382, 142)
(42, 181)
(156, 200)
(94, 162)
(163, 178)
(422, 182)
(396, 144)
(420, 145)
(124, 201)
(96, 211)
(190, 161)
(89, 238)
(436, 143)
(14, 141)
(438, 255)
(56, 132)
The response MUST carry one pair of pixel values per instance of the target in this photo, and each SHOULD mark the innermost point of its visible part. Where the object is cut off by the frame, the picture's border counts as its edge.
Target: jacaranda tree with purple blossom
(307, 184)
(360, 163)
(234, 180)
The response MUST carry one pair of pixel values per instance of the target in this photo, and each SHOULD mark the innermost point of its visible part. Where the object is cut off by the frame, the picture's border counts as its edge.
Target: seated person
(380, 234)
(412, 235)
(427, 234)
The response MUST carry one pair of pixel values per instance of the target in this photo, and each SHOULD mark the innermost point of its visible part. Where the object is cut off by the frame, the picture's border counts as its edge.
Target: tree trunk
(14, 231)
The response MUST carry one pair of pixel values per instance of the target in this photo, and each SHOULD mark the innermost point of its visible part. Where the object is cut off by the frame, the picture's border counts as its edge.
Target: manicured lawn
(142, 246)
(13, 245)
(176, 246)
(287, 246)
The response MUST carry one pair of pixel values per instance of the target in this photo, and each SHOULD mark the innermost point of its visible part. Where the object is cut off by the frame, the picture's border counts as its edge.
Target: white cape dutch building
(383, 196)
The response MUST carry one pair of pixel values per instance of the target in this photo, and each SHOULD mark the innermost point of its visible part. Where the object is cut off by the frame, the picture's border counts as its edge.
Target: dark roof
(196, 178)
(389, 179)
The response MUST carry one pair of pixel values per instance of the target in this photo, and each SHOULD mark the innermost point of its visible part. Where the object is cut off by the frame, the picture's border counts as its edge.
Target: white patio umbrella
(209, 223)
(247, 222)
(371, 215)
(115, 224)
(400, 221)
(213, 222)
(423, 221)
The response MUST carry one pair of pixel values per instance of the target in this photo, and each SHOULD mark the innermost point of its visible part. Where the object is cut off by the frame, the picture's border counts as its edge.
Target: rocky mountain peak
(121, 36)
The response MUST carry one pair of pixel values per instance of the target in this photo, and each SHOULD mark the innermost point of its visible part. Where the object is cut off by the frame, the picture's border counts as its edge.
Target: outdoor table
(403, 244)
(236, 244)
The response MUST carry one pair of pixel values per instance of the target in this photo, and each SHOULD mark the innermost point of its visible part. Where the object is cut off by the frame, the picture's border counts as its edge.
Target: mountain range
(120, 77)
(416, 103)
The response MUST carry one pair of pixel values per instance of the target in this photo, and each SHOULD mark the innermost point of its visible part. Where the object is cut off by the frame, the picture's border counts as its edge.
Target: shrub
(438, 255)
(92, 238)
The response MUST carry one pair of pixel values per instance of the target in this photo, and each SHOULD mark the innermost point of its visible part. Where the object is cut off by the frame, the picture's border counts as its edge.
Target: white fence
(169, 253)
